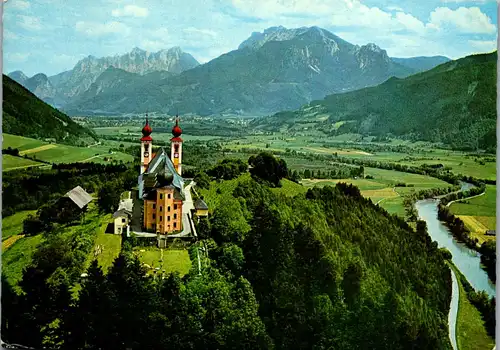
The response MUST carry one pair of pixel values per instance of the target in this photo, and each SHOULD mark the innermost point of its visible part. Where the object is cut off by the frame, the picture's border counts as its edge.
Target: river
(465, 259)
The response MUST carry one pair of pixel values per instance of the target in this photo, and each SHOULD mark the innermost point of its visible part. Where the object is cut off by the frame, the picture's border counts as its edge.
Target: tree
(202, 180)
(109, 197)
(268, 168)
(228, 224)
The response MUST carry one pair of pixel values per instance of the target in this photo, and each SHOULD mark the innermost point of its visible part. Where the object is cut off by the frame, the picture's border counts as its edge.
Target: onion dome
(146, 131)
(176, 130)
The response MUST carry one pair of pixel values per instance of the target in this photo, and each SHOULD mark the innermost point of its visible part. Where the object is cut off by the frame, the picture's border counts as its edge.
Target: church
(161, 186)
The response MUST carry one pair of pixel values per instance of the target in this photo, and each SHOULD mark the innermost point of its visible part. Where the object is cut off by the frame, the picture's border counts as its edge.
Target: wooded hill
(324, 269)
(454, 103)
(26, 115)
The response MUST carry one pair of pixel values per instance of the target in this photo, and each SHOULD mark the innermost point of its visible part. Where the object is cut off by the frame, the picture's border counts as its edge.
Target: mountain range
(454, 103)
(278, 69)
(66, 86)
(26, 115)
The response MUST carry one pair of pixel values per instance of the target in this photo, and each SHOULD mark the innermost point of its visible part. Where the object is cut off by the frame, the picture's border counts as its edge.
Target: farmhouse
(160, 183)
(77, 196)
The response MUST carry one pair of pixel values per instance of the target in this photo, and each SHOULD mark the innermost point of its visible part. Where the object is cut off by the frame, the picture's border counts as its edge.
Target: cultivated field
(57, 153)
(12, 163)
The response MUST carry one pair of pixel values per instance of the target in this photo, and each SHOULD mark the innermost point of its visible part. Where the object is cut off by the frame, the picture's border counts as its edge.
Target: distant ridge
(453, 103)
(26, 115)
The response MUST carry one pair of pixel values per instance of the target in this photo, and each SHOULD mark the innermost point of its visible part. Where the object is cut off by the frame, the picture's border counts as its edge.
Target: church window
(161, 217)
(169, 196)
(175, 206)
(161, 196)
(175, 225)
(168, 218)
(175, 216)
(176, 148)
(123, 220)
(168, 208)
(154, 206)
(154, 216)
(146, 147)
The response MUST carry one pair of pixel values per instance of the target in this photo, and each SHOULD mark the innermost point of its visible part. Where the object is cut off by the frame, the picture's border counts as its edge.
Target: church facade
(161, 186)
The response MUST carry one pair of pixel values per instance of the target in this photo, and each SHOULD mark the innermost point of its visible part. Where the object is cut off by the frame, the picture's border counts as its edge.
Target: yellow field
(38, 149)
(476, 227)
(341, 152)
(382, 193)
(10, 241)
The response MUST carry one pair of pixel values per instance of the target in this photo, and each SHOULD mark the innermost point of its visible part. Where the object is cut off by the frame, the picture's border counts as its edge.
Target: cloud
(395, 8)
(154, 45)
(17, 56)
(7, 34)
(203, 32)
(99, 29)
(29, 22)
(467, 20)
(130, 11)
(484, 45)
(18, 5)
(160, 33)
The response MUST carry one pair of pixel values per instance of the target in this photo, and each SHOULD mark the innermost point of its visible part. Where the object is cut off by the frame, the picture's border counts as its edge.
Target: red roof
(176, 139)
(146, 138)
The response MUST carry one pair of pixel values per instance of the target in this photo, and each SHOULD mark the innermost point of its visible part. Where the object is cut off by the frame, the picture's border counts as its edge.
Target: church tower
(146, 146)
(176, 147)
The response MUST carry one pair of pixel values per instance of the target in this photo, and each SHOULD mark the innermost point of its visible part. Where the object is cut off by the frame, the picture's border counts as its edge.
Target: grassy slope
(471, 334)
(173, 259)
(110, 244)
(19, 256)
(13, 225)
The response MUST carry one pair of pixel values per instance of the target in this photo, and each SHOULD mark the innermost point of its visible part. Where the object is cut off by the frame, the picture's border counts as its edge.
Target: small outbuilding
(201, 207)
(122, 217)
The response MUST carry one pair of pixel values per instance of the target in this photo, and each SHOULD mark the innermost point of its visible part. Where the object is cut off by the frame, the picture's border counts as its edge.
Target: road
(187, 206)
(466, 198)
(452, 316)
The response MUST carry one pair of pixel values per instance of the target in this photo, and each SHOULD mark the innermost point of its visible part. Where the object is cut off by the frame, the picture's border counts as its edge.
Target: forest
(325, 269)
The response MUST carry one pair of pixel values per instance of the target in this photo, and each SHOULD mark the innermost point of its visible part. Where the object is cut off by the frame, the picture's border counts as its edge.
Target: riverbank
(470, 328)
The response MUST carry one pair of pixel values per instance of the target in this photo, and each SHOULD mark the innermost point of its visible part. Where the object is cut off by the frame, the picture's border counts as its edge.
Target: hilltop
(454, 103)
(26, 115)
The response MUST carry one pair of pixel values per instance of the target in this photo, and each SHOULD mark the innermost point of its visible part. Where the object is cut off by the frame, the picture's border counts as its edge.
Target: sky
(51, 36)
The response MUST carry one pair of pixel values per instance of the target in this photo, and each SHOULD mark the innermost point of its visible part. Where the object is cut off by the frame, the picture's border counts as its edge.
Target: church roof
(161, 164)
(79, 196)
